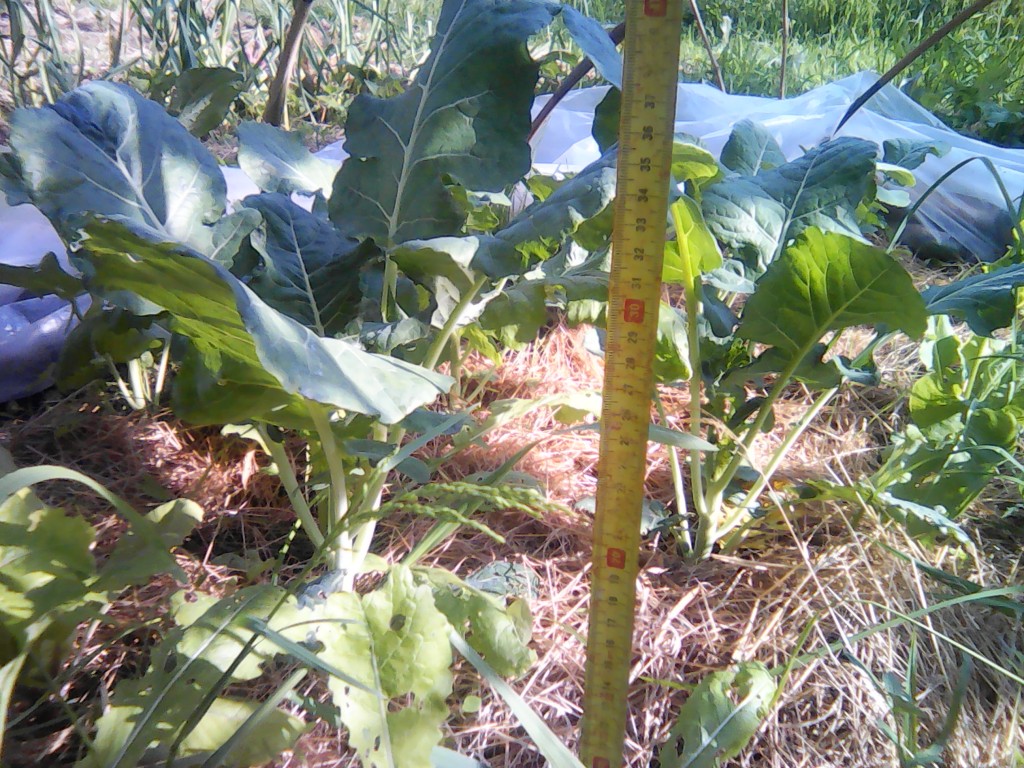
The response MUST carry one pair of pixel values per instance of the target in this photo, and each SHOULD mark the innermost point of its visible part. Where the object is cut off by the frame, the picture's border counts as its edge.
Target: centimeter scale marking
(650, 75)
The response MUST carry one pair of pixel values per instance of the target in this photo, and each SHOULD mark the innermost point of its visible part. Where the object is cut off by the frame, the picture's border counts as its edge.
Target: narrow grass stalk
(765, 475)
(784, 56)
(911, 617)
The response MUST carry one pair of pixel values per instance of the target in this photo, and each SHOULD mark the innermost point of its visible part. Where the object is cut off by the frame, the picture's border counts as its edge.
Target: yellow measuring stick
(649, 82)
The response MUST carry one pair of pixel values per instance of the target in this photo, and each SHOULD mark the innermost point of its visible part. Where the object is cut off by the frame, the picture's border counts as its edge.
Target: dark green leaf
(593, 40)
(44, 279)
(606, 120)
(202, 97)
(308, 271)
(516, 316)
(751, 149)
(986, 302)
(911, 153)
(104, 334)
(385, 338)
(450, 265)
(466, 116)
(757, 215)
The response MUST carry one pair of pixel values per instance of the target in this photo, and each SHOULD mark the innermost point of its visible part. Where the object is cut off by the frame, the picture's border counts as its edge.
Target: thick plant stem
(140, 386)
(718, 485)
(126, 393)
(694, 309)
(337, 505)
(389, 292)
(291, 486)
(708, 532)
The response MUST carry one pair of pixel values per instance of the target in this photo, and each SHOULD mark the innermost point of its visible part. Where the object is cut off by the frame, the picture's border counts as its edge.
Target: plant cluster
(326, 306)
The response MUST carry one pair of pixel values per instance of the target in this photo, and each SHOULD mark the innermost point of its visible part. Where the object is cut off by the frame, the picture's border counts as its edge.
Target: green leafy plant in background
(795, 252)
(51, 580)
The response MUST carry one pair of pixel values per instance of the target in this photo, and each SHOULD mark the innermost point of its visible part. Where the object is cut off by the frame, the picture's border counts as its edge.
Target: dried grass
(816, 565)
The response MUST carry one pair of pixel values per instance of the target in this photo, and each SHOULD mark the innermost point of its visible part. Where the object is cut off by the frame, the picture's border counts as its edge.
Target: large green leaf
(234, 330)
(308, 271)
(719, 717)
(756, 215)
(105, 149)
(397, 643)
(465, 116)
(278, 161)
(827, 282)
(986, 302)
(517, 314)
(751, 149)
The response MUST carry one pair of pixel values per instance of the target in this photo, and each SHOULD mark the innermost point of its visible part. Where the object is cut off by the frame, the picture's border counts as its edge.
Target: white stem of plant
(341, 546)
(161, 371)
(694, 309)
(678, 485)
(140, 385)
(126, 393)
(765, 476)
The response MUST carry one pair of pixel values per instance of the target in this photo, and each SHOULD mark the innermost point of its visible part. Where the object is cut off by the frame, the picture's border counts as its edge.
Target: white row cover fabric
(968, 211)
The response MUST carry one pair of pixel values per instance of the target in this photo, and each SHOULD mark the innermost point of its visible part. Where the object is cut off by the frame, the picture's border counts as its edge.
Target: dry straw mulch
(830, 566)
